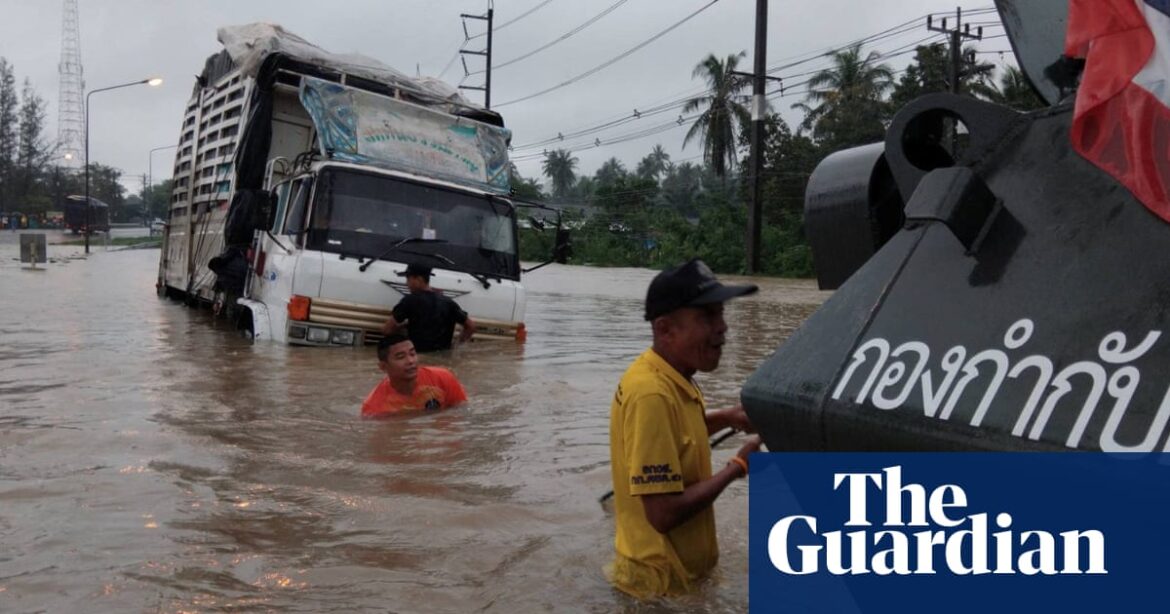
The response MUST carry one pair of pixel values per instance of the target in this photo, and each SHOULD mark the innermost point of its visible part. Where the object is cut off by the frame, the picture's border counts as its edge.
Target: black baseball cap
(416, 270)
(691, 284)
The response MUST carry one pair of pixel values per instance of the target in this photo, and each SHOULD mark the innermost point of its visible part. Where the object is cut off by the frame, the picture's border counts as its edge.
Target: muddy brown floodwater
(153, 460)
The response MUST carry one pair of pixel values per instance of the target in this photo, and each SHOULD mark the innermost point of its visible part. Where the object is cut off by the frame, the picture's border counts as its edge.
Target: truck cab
(327, 269)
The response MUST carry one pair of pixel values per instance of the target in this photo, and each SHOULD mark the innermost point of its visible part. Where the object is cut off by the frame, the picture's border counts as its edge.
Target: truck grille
(369, 319)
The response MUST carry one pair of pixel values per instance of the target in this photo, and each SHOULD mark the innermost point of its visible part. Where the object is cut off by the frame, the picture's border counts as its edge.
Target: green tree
(558, 166)
(8, 135)
(1012, 91)
(679, 187)
(33, 152)
(610, 172)
(847, 100)
(105, 185)
(158, 199)
(655, 163)
(928, 73)
(723, 111)
(789, 160)
(522, 187)
(627, 230)
(584, 188)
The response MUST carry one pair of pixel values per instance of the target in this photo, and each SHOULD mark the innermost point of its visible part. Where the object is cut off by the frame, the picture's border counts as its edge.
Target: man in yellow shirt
(658, 429)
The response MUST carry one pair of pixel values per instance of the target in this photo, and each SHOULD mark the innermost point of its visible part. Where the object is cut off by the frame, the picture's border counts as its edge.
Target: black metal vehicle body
(75, 218)
(1020, 306)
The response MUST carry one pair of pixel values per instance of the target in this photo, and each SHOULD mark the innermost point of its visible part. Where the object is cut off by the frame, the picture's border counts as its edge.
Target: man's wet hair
(387, 342)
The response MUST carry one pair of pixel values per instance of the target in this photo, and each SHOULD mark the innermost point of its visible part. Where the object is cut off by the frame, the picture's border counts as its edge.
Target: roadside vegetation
(657, 212)
(35, 177)
(652, 212)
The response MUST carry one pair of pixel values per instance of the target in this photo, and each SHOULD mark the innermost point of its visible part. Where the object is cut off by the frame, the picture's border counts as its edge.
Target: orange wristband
(742, 463)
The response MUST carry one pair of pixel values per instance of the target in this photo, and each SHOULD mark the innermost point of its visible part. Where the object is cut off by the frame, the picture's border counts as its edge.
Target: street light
(153, 81)
(150, 169)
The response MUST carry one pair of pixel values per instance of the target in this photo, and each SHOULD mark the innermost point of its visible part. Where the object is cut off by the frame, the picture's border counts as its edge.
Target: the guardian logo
(935, 534)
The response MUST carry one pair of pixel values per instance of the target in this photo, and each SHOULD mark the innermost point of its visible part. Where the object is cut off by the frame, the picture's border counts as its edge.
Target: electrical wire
(613, 60)
(451, 62)
(513, 20)
(678, 102)
(562, 37)
(787, 90)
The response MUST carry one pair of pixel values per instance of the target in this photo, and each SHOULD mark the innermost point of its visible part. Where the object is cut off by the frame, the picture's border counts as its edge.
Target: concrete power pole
(755, 215)
(70, 117)
(957, 72)
(486, 53)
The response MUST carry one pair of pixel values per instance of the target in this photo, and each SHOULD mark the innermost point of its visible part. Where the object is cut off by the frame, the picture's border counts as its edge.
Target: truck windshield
(361, 214)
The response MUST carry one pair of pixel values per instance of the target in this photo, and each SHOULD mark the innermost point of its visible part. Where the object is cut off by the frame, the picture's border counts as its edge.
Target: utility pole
(759, 78)
(145, 205)
(957, 36)
(755, 216)
(486, 53)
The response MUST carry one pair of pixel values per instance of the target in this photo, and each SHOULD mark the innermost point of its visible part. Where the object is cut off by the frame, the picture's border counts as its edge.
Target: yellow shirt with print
(658, 444)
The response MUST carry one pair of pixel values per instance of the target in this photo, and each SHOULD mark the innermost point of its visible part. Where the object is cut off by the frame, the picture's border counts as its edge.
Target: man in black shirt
(429, 316)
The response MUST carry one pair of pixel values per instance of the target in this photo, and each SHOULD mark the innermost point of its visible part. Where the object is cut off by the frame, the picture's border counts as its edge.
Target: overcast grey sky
(124, 40)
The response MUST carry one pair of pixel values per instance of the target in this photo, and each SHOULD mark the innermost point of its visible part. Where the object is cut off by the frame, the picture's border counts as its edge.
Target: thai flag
(1121, 121)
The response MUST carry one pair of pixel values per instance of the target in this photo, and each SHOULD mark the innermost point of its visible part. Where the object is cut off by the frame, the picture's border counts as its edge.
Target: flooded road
(152, 460)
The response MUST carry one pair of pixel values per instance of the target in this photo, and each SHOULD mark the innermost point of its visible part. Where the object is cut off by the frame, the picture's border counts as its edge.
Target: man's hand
(752, 444)
(467, 330)
(734, 417)
(390, 326)
(740, 460)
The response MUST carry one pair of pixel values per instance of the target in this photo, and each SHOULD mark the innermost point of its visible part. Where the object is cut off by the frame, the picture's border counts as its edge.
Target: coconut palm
(1012, 91)
(584, 188)
(655, 163)
(723, 111)
(610, 172)
(558, 166)
(846, 99)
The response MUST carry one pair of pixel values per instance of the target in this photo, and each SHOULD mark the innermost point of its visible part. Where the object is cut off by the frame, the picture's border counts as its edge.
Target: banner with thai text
(958, 532)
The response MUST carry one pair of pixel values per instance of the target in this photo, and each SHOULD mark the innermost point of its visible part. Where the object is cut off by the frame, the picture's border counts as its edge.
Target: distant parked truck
(76, 220)
(305, 182)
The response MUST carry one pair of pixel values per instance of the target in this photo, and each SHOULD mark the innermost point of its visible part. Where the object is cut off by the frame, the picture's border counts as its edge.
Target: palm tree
(1012, 91)
(611, 170)
(847, 97)
(584, 188)
(558, 167)
(655, 163)
(723, 113)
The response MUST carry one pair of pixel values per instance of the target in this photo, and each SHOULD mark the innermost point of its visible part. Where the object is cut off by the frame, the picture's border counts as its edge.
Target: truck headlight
(318, 335)
(343, 337)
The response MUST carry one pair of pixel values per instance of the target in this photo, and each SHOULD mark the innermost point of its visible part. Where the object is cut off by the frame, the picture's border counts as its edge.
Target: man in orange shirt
(409, 386)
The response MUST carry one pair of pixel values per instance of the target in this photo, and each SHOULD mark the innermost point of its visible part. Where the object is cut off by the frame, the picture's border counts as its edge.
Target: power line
(564, 36)
(618, 120)
(787, 90)
(896, 30)
(514, 20)
(673, 124)
(561, 137)
(679, 122)
(615, 59)
(451, 63)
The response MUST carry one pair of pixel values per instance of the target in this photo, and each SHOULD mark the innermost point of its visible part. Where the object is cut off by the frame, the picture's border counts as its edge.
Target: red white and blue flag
(1121, 121)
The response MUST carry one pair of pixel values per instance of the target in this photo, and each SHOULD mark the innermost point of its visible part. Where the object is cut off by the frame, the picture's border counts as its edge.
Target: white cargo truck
(306, 181)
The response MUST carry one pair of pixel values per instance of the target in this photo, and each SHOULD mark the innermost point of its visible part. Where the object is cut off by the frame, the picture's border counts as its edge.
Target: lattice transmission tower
(70, 113)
